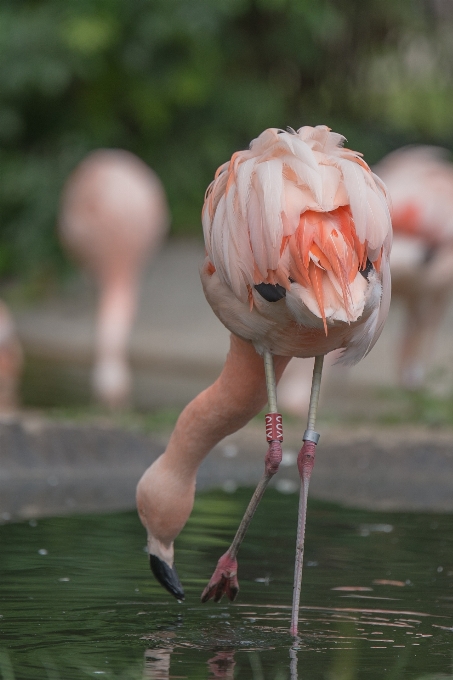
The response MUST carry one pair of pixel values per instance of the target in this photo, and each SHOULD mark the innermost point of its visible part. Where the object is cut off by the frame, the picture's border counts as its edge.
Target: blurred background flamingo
(113, 217)
(420, 183)
(11, 361)
(419, 180)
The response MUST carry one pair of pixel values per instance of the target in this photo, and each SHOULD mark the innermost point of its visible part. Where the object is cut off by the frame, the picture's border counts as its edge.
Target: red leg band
(274, 427)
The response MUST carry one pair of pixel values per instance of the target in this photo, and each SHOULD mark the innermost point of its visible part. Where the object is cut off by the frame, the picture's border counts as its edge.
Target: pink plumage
(299, 211)
(419, 180)
(298, 234)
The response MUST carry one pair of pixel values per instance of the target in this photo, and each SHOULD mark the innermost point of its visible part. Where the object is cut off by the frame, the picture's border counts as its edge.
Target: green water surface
(77, 599)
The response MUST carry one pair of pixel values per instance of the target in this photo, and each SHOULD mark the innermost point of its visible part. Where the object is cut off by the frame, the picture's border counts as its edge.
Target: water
(77, 599)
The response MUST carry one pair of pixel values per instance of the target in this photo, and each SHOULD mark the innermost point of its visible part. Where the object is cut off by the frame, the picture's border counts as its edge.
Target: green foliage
(421, 407)
(183, 83)
(158, 422)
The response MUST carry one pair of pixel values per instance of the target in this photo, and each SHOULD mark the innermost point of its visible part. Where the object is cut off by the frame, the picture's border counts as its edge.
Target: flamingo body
(113, 218)
(298, 234)
(298, 213)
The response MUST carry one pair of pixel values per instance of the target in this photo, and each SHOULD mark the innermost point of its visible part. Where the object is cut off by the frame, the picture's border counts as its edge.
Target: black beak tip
(167, 577)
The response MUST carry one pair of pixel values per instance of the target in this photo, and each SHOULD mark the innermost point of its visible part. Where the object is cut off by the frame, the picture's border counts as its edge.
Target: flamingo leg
(305, 463)
(224, 580)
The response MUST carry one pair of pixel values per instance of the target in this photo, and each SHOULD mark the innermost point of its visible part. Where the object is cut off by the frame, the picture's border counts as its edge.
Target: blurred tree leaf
(89, 34)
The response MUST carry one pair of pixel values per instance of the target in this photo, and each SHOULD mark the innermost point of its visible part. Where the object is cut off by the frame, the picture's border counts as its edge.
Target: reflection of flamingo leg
(157, 664)
(222, 665)
(293, 663)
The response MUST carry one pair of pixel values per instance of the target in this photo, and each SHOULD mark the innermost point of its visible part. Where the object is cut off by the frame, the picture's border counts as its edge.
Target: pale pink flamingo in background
(11, 361)
(419, 180)
(295, 385)
(113, 218)
(298, 234)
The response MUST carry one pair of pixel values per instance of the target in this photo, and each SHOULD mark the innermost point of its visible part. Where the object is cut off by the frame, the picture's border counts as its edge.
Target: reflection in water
(293, 661)
(222, 665)
(77, 602)
(343, 633)
(157, 664)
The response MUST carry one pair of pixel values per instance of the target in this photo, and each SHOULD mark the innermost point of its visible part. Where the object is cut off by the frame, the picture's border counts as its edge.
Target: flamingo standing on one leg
(297, 233)
(420, 183)
(113, 217)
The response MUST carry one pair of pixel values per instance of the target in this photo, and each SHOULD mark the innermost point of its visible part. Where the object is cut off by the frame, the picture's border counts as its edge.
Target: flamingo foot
(224, 580)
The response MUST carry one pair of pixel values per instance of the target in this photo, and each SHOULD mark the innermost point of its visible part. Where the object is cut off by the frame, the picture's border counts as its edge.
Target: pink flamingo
(420, 183)
(295, 385)
(113, 217)
(11, 361)
(297, 233)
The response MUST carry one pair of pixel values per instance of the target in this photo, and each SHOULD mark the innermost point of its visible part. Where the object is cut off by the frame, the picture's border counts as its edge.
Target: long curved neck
(223, 408)
(166, 490)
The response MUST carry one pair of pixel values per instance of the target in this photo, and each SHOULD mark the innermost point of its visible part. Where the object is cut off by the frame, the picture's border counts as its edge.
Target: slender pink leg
(305, 463)
(424, 316)
(224, 579)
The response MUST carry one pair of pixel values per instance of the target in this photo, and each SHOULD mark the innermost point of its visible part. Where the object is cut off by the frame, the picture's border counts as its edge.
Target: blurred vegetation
(383, 407)
(183, 83)
(61, 391)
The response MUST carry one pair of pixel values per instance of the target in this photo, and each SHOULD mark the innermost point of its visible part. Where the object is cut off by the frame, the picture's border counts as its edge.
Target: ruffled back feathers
(299, 210)
(297, 207)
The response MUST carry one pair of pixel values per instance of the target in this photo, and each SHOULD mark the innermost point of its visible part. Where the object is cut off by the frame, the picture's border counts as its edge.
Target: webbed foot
(224, 580)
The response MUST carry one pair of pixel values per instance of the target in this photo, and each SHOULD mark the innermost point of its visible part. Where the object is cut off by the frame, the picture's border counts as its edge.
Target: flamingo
(419, 180)
(11, 361)
(420, 183)
(297, 232)
(295, 385)
(113, 217)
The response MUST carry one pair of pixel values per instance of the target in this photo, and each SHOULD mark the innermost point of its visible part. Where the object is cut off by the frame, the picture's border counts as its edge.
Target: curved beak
(167, 576)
